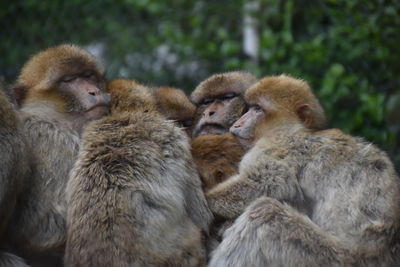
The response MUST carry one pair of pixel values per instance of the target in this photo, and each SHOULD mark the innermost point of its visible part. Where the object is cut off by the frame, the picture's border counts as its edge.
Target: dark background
(347, 50)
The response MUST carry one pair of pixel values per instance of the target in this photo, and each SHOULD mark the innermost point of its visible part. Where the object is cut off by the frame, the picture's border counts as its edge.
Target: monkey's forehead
(219, 84)
(63, 59)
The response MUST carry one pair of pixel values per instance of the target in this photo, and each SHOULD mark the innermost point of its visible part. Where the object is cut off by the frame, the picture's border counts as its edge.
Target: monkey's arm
(196, 204)
(41, 223)
(268, 232)
(260, 175)
(13, 164)
(229, 198)
(8, 183)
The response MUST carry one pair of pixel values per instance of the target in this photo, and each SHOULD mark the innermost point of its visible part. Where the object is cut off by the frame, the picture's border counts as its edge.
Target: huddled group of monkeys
(245, 172)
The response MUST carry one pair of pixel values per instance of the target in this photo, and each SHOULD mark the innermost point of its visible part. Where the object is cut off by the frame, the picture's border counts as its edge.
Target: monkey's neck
(280, 129)
(49, 111)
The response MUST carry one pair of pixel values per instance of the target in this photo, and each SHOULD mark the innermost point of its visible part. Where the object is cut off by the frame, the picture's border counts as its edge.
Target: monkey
(14, 166)
(219, 101)
(14, 170)
(217, 158)
(305, 195)
(58, 90)
(134, 196)
(175, 105)
(10, 260)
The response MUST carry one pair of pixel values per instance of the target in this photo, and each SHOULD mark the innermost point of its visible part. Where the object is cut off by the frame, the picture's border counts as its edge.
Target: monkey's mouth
(97, 111)
(98, 106)
(211, 128)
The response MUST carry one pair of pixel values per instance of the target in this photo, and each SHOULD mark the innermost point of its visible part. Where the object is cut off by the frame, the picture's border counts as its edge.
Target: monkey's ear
(305, 115)
(19, 91)
(219, 175)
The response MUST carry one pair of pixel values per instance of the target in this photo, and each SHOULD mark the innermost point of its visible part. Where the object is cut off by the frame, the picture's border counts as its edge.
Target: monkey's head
(175, 105)
(278, 105)
(66, 76)
(219, 101)
(129, 95)
(217, 158)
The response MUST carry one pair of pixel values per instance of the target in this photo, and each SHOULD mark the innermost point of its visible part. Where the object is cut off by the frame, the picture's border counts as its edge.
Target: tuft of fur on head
(288, 93)
(223, 83)
(43, 69)
(128, 95)
(173, 103)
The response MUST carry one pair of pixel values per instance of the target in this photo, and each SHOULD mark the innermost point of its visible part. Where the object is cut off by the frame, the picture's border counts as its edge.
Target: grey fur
(14, 172)
(134, 196)
(10, 260)
(327, 199)
(39, 225)
(14, 168)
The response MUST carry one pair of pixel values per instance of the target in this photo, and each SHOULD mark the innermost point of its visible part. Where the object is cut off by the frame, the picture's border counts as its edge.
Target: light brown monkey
(175, 105)
(219, 101)
(14, 170)
(322, 197)
(134, 197)
(59, 89)
(217, 158)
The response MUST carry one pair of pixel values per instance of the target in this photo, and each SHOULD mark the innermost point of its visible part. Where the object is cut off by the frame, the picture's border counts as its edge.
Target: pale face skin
(244, 128)
(216, 114)
(90, 100)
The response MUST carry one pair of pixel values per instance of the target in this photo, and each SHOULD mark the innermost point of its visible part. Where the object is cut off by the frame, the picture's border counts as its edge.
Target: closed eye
(227, 96)
(67, 79)
(206, 101)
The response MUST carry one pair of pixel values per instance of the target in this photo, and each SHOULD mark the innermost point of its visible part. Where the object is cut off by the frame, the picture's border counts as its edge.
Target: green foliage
(347, 50)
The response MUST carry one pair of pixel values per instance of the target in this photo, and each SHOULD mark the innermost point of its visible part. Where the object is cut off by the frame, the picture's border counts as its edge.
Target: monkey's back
(355, 188)
(126, 200)
(14, 168)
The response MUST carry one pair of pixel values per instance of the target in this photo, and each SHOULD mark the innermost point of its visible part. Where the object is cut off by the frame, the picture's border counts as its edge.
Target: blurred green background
(347, 50)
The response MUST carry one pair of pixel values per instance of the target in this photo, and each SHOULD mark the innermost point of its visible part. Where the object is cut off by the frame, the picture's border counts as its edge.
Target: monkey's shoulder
(343, 146)
(324, 147)
(144, 126)
(8, 114)
(138, 138)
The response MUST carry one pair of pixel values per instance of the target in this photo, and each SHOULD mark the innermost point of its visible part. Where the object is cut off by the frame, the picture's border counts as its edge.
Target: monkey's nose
(238, 124)
(93, 91)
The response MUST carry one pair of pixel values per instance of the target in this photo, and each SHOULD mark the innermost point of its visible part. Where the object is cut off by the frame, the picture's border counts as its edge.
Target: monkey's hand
(229, 199)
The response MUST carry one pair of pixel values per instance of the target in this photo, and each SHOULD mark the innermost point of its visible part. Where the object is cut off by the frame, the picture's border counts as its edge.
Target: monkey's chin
(211, 129)
(97, 112)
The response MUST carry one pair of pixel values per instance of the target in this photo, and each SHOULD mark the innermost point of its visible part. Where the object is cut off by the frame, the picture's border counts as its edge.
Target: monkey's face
(216, 115)
(85, 95)
(244, 128)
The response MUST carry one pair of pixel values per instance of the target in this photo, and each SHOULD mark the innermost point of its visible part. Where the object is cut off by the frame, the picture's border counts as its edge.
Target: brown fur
(217, 157)
(219, 84)
(14, 170)
(52, 118)
(174, 104)
(289, 94)
(134, 196)
(124, 99)
(321, 197)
